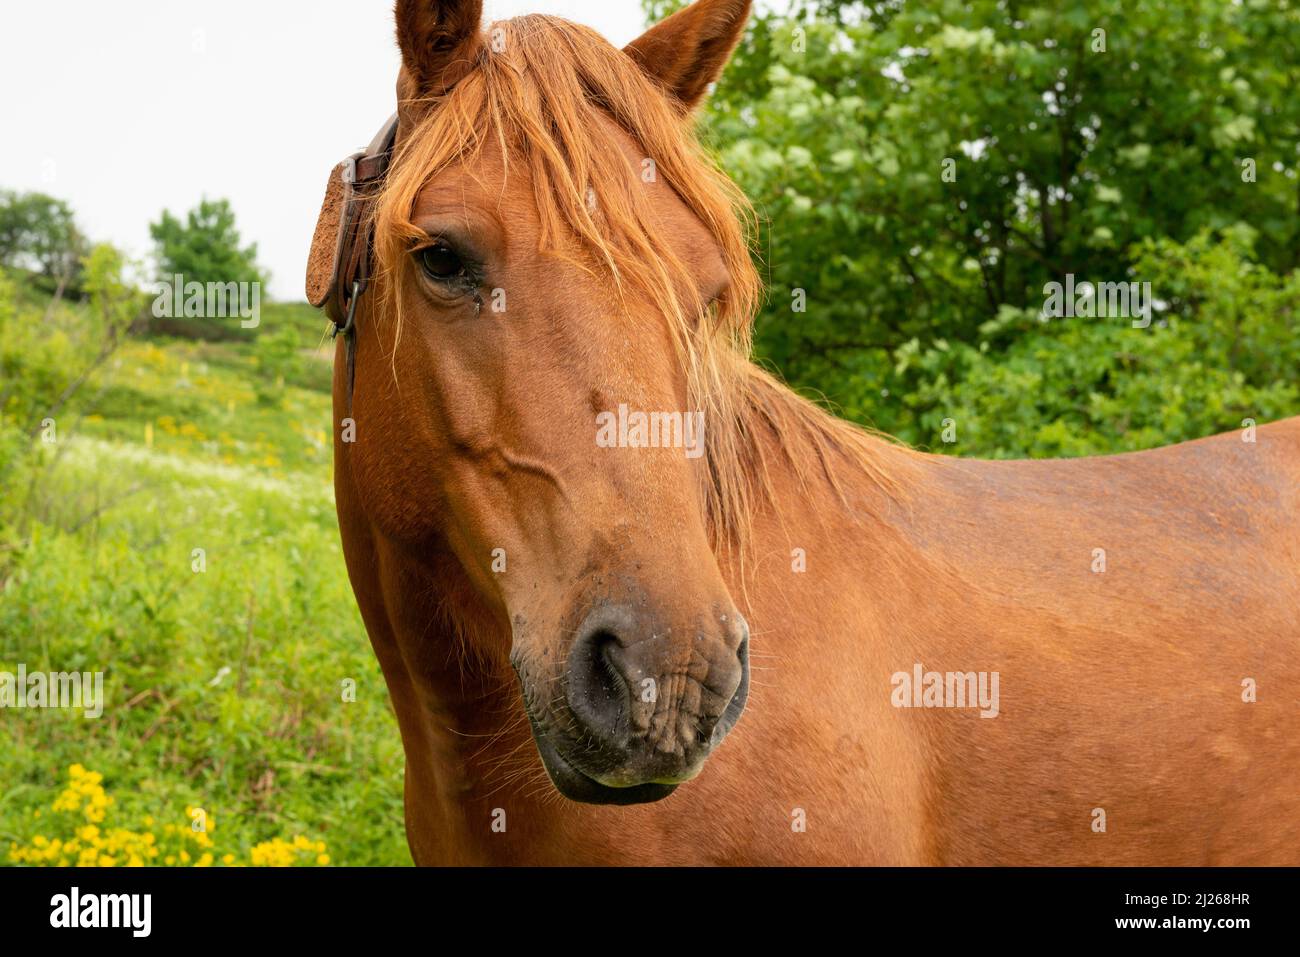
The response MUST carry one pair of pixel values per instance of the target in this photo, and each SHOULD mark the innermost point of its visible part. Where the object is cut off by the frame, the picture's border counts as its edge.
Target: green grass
(198, 399)
(224, 687)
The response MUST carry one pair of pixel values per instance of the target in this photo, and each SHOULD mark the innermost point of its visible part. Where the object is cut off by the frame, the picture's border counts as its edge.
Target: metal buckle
(346, 328)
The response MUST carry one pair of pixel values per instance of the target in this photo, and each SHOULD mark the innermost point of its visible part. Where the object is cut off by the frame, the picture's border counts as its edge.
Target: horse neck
(817, 481)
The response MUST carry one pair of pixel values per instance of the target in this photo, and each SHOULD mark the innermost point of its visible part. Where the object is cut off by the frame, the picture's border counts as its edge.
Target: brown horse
(557, 472)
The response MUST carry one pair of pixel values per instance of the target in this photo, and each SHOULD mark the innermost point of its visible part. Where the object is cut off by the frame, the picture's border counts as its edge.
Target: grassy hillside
(224, 669)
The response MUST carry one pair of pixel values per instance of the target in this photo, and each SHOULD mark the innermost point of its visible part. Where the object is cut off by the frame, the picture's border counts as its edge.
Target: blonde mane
(539, 87)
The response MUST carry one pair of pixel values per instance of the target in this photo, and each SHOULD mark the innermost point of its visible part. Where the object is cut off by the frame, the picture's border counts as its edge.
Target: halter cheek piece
(338, 268)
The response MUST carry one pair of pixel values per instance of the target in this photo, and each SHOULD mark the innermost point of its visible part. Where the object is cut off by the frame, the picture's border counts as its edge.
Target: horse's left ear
(687, 51)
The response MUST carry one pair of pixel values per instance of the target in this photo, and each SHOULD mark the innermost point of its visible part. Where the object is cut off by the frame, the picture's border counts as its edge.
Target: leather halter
(362, 177)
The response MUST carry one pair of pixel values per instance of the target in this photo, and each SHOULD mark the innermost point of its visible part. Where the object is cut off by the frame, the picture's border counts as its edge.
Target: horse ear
(439, 40)
(687, 51)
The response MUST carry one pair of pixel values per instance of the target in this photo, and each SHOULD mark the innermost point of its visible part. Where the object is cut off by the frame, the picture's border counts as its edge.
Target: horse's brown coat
(1121, 690)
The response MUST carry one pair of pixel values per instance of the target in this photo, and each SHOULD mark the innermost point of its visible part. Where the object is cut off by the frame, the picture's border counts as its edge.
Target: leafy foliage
(206, 246)
(924, 170)
(40, 233)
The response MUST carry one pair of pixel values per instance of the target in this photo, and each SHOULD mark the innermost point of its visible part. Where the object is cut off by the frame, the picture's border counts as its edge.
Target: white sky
(126, 109)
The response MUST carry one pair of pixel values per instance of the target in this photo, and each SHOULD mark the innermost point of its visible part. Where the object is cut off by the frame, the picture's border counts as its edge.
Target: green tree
(39, 233)
(205, 247)
(923, 170)
(1222, 351)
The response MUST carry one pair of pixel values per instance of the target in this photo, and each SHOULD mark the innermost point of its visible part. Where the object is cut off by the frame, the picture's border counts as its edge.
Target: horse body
(1121, 689)
(953, 661)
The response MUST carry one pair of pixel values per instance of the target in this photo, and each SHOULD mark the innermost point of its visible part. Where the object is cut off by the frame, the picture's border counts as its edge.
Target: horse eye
(441, 262)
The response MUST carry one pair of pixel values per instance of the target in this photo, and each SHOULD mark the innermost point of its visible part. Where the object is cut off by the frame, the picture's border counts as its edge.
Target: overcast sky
(126, 109)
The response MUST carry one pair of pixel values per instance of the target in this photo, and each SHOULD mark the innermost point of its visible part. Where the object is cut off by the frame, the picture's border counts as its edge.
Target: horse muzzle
(645, 708)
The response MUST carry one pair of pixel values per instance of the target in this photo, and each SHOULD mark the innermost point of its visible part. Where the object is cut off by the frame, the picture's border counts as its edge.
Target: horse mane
(538, 88)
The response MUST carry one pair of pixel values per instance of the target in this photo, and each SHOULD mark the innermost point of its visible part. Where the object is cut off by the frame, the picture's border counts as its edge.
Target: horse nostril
(598, 694)
(606, 651)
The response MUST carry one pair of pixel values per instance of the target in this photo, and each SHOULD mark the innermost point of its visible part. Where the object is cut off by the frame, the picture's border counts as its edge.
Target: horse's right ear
(439, 40)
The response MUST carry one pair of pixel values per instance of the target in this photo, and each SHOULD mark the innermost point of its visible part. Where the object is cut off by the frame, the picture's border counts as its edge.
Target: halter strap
(363, 177)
